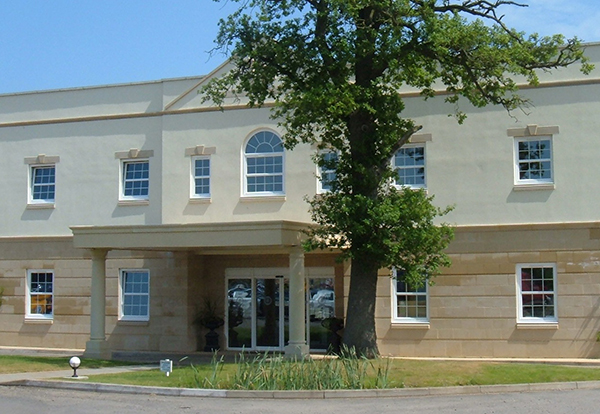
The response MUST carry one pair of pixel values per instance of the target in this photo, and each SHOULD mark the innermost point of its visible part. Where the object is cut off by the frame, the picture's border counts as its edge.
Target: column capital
(297, 252)
(99, 254)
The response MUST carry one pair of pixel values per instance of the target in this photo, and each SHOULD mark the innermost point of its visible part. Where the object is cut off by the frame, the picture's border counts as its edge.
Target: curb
(312, 394)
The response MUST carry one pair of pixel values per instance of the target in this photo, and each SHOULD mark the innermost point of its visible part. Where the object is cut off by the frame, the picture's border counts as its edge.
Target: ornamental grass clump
(274, 372)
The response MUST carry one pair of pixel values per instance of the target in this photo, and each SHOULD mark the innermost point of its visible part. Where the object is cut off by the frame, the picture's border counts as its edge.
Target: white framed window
(533, 160)
(42, 188)
(134, 295)
(201, 177)
(135, 181)
(327, 171)
(409, 304)
(264, 165)
(40, 294)
(536, 293)
(409, 165)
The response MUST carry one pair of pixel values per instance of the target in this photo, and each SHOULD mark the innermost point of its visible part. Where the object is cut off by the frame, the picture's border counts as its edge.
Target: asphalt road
(30, 400)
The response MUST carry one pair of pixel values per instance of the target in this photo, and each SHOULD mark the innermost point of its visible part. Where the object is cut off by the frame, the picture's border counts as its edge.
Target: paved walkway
(62, 379)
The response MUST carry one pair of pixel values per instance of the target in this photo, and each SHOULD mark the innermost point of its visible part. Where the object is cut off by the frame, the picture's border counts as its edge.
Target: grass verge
(328, 374)
(10, 364)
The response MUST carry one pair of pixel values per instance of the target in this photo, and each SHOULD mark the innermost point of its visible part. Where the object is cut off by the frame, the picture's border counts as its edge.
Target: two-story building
(126, 207)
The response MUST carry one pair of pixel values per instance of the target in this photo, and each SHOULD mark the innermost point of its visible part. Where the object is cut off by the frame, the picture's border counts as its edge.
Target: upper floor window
(533, 163)
(327, 170)
(43, 184)
(135, 295)
(41, 188)
(409, 164)
(40, 294)
(536, 286)
(134, 186)
(264, 164)
(136, 180)
(201, 177)
(409, 303)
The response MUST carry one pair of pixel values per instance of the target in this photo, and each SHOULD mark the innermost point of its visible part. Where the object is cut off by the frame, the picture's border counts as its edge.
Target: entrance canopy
(258, 235)
(217, 238)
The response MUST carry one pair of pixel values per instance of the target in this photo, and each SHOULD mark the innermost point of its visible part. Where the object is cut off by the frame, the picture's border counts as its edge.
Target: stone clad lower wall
(179, 283)
(168, 329)
(70, 327)
(473, 304)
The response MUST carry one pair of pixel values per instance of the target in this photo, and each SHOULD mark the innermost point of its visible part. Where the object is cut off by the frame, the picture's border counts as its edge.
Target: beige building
(127, 207)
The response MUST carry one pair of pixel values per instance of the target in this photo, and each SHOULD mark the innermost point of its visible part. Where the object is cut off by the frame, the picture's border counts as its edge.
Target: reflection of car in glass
(242, 298)
(322, 304)
(263, 301)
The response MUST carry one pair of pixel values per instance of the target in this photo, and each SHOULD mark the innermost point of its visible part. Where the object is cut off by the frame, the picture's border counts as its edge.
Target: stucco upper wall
(470, 166)
(69, 104)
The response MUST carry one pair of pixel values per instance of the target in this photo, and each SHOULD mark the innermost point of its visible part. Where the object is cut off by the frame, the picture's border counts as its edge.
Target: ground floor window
(135, 295)
(536, 284)
(409, 303)
(40, 294)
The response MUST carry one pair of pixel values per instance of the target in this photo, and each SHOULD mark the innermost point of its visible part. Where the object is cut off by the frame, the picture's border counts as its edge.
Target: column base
(296, 351)
(97, 349)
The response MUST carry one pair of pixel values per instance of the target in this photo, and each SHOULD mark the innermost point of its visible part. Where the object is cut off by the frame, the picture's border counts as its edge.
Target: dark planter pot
(212, 337)
(333, 325)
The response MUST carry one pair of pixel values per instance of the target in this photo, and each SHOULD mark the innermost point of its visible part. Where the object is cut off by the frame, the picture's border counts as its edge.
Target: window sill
(200, 200)
(259, 199)
(38, 321)
(408, 187)
(40, 206)
(129, 203)
(538, 325)
(534, 187)
(125, 322)
(411, 325)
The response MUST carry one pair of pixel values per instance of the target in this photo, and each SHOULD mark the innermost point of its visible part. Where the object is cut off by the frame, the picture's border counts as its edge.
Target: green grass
(10, 364)
(363, 374)
(271, 372)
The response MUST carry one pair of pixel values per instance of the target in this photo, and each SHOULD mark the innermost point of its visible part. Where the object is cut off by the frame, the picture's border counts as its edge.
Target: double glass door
(258, 310)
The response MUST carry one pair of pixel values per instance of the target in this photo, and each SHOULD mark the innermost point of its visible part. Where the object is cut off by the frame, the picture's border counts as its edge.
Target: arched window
(264, 164)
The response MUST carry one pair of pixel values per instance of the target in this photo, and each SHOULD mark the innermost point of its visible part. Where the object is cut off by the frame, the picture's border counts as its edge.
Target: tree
(333, 70)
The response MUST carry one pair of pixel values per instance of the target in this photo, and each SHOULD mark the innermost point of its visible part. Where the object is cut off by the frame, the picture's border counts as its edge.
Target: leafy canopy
(332, 71)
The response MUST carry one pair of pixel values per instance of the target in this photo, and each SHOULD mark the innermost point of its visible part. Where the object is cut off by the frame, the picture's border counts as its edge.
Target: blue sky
(50, 44)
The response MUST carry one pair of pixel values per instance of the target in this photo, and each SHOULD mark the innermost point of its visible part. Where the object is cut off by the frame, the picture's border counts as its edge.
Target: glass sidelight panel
(239, 309)
(321, 305)
(268, 316)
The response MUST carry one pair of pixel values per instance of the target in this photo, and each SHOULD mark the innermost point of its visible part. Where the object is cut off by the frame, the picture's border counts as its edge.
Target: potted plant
(209, 318)
(333, 325)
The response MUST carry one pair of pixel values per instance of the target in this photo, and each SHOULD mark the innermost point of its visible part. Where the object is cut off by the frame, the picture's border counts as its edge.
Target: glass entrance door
(258, 310)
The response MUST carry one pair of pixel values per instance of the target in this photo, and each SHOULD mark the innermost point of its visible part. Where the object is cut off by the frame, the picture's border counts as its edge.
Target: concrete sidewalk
(67, 374)
(62, 379)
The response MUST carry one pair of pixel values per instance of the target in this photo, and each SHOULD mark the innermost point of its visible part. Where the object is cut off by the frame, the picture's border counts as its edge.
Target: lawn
(10, 364)
(328, 374)
(270, 372)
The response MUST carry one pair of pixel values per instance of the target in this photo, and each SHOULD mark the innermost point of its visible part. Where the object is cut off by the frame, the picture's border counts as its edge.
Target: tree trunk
(360, 317)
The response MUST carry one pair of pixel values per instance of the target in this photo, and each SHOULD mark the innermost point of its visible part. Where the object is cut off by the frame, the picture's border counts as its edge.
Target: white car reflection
(322, 304)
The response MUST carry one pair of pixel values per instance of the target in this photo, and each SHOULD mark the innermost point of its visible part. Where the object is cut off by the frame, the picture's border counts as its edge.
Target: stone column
(297, 347)
(97, 347)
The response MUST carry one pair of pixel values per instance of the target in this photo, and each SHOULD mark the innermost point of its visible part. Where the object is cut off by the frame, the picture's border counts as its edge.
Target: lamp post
(74, 362)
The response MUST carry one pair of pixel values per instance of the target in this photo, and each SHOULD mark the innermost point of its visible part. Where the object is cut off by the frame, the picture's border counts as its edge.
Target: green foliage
(272, 372)
(332, 373)
(210, 381)
(1, 295)
(326, 61)
(395, 230)
(333, 70)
